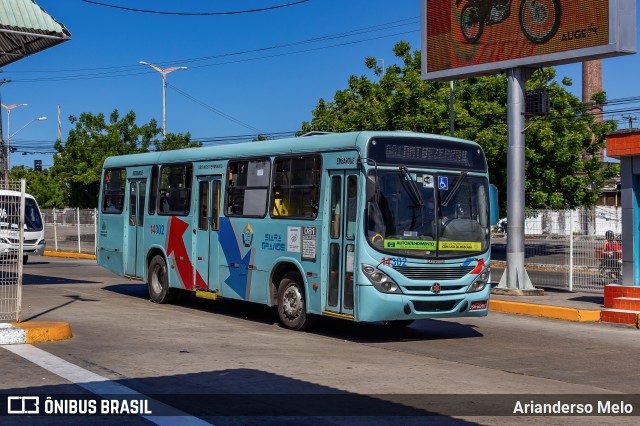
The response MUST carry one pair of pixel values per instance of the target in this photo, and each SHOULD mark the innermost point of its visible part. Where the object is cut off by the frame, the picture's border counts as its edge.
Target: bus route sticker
(410, 244)
(460, 245)
(293, 239)
(309, 242)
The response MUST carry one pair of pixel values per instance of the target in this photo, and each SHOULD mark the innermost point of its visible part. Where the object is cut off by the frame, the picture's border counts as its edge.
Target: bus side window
(113, 187)
(248, 187)
(296, 187)
(336, 193)
(175, 190)
(153, 190)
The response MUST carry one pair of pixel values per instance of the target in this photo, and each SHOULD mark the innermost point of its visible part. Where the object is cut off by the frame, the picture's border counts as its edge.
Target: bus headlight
(380, 280)
(480, 282)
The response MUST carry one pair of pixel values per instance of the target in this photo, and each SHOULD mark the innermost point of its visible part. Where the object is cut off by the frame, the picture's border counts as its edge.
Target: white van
(34, 241)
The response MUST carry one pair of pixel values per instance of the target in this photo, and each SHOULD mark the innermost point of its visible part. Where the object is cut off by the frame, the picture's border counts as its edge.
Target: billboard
(464, 38)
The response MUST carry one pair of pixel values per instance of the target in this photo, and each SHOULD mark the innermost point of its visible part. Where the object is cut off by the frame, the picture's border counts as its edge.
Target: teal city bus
(365, 226)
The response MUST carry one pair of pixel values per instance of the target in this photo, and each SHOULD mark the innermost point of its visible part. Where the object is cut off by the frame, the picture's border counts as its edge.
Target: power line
(157, 12)
(212, 109)
(117, 74)
(126, 71)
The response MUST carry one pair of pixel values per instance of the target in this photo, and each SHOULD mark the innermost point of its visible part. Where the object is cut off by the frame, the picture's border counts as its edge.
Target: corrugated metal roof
(25, 28)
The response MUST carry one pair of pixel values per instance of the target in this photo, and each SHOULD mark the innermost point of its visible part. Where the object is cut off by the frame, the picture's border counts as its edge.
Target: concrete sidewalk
(557, 304)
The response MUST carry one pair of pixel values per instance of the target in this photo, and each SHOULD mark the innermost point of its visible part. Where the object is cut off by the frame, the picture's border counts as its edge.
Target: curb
(33, 332)
(547, 311)
(52, 253)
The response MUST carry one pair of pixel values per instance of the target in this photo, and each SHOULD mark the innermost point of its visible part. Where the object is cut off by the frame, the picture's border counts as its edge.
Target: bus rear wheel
(158, 281)
(292, 309)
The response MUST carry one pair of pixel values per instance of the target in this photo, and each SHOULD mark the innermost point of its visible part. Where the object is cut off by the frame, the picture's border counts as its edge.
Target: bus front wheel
(158, 281)
(291, 302)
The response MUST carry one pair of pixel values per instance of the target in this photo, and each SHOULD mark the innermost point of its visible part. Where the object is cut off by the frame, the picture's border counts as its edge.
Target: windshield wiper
(415, 192)
(452, 192)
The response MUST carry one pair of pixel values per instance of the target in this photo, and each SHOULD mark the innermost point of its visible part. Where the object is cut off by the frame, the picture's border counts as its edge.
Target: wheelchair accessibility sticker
(443, 182)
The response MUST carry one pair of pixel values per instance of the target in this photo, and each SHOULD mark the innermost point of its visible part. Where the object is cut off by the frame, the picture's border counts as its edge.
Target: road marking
(99, 385)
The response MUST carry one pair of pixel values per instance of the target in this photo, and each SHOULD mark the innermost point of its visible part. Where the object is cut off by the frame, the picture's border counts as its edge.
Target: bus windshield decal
(431, 245)
(410, 244)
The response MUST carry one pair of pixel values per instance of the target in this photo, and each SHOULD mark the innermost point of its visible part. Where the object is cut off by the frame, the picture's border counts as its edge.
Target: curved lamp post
(9, 136)
(9, 108)
(164, 73)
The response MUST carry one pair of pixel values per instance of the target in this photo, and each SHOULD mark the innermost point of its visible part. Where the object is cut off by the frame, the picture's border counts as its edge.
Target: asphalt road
(232, 348)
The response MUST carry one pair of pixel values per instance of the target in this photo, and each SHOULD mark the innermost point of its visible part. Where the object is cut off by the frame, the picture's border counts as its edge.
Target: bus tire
(398, 323)
(292, 309)
(158, 281)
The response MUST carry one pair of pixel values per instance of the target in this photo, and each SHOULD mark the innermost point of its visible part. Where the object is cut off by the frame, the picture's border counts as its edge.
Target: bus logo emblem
(247, 235)
(436, 288)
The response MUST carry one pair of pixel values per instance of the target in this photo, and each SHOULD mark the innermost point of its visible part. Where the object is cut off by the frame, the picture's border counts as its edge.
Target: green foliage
(175, 141)
(40, 184)
(74, 178)
(562, 170)
(78, 163)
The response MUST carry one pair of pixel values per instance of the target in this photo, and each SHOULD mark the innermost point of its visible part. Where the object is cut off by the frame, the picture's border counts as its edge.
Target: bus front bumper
(376, 306)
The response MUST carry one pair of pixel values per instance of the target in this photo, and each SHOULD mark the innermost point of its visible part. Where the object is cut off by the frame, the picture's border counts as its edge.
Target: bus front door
(207, 230)
(134, 256)
(342, 231)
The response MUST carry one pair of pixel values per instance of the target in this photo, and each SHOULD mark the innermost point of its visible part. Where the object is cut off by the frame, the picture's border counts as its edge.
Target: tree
(562, 171)
(40, 184)
(74, 179)
(79, 160)
(175, 141)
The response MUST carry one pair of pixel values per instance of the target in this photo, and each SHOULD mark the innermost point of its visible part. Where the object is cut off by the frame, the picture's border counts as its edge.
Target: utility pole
(630, 118)
(164, 73)
(4, 173)
(7, 150)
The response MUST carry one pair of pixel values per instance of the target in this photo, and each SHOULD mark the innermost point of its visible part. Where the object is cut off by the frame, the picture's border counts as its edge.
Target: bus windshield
(9, 214)
(428, 215)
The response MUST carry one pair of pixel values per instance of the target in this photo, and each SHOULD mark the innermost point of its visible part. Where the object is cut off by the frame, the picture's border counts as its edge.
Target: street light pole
(164, 73)
(9, 108)
(9, 135)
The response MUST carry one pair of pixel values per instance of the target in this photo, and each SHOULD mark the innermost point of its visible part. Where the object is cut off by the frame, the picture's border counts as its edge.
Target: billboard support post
(515, 276)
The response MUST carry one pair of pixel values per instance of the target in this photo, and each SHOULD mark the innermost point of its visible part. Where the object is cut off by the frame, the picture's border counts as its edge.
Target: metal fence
(70, 230)
(563, 249)
(11, 206)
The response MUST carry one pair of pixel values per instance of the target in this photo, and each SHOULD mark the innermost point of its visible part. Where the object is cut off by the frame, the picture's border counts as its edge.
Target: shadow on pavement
(73, 298)
(325, 326)
(31, 279)
(249, 396)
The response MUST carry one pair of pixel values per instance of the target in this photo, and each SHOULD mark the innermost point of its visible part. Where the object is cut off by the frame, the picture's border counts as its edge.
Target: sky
(248, 73)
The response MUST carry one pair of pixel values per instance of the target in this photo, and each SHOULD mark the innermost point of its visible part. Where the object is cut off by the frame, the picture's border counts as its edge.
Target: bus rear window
(113, 191)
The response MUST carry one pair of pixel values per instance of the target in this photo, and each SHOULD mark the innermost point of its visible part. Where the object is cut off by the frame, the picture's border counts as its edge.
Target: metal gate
(11, 248)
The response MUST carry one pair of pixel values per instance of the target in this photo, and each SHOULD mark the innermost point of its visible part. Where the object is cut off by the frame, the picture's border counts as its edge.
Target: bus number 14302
(394, 261)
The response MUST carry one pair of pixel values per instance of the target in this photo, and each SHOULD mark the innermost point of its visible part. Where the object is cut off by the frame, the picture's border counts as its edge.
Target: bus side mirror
(493, 205)
(372, 189)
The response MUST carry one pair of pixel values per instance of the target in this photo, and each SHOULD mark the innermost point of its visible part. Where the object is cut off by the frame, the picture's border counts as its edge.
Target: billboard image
(471, 37)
